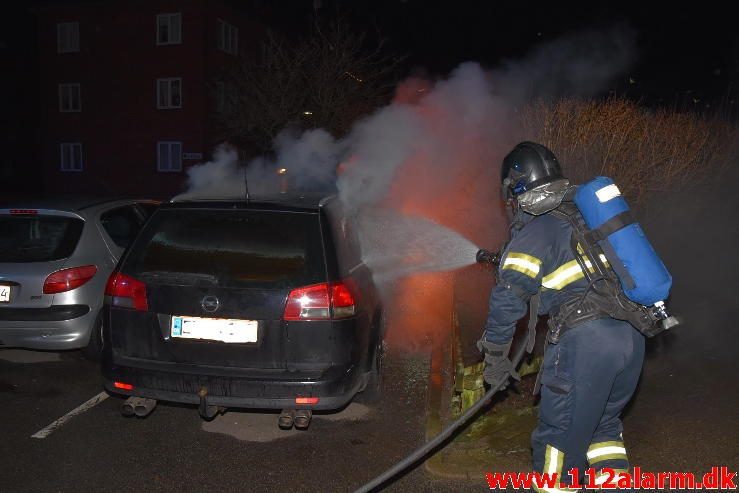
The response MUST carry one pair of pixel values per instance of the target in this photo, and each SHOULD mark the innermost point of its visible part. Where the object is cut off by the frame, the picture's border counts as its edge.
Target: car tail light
(68, 279)
(124, 386)
(342, 301)
(23, 211)
(319, 302)
(306, 400)
(126, 292)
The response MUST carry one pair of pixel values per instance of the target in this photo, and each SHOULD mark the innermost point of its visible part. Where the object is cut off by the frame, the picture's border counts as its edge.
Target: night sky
(683, 53)
(679, 49)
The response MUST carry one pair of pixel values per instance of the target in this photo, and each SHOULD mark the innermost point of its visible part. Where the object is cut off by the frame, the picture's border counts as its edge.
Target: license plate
(4, 293)
(215, 329)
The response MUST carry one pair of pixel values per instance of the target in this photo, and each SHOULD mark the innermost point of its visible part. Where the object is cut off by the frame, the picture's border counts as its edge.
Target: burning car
(246, 304)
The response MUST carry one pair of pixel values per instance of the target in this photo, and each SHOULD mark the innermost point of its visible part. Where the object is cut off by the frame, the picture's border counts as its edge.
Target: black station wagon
(248, 304)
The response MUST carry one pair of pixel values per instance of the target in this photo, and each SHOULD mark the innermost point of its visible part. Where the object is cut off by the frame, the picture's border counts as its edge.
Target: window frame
(64, 40)
(71, 146)
(169, 81)
(169, 144)
(169, 17)
(227, 37)
(65, 90)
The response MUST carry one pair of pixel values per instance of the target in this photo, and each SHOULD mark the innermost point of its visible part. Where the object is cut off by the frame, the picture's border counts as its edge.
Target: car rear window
(38, 238)
(229, 248)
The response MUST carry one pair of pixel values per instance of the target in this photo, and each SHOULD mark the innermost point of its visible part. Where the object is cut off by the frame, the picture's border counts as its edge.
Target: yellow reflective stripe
(606, 451)
(600, 445)
(520, 268)
(520, 262)
(553, 462)
(603, 451)
(602, 458)
(562, 276)
(568, 273)
(523, 256)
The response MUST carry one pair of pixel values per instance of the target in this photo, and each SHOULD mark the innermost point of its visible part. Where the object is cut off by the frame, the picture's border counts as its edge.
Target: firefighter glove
(497, 365)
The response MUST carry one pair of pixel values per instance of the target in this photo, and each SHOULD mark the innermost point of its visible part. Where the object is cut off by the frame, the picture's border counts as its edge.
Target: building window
(169, 29)
(69, 98)
(71, 156)
(169, 93)
(228, 37)
(68, 37)
(169, 156)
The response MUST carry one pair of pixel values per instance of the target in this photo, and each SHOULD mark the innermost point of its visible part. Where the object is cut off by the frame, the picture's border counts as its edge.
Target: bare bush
(327, 80)
(642, 150)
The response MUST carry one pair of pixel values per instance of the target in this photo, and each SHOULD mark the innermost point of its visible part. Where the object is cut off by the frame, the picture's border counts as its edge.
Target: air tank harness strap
(609, 227)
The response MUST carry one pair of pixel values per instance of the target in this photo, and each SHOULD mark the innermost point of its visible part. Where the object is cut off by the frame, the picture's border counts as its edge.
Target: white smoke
(220, 177)
(581, 64)
(302, 162)
(419, 178)
(435, 150)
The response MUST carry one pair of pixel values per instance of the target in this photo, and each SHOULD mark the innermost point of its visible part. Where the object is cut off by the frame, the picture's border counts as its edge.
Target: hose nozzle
(487, 257)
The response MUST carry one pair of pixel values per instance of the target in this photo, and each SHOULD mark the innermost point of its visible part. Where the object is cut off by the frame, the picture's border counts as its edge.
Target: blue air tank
(644, 277)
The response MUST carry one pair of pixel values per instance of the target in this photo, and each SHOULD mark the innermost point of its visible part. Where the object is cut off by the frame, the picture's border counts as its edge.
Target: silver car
(55, 258)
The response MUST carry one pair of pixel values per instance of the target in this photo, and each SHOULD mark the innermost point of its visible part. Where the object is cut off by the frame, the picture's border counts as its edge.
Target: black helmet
(528, 166)
(532, 166)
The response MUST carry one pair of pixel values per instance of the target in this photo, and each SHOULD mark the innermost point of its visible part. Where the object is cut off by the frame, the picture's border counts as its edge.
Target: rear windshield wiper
(189, 277)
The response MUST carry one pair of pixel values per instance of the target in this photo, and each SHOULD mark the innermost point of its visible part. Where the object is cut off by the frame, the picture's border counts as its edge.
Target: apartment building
(126, 91)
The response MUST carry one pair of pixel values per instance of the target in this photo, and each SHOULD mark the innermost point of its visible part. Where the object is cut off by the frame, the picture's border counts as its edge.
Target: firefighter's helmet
(532, 178)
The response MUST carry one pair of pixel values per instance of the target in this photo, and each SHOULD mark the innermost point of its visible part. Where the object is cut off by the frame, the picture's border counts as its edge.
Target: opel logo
(210, 304)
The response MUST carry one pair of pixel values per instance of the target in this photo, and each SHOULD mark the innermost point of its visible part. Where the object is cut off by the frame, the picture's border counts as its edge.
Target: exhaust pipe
(138, 406)
(143, 407)
(127, 408)
(286, 419)
(302, 418)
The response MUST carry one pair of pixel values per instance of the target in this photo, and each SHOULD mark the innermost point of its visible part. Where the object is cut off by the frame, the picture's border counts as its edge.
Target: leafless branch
(329, 79)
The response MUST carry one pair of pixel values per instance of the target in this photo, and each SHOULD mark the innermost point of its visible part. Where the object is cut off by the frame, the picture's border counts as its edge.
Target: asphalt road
(174, 450)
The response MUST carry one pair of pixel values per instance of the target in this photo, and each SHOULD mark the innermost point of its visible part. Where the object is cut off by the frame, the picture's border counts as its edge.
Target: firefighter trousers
(587, 379)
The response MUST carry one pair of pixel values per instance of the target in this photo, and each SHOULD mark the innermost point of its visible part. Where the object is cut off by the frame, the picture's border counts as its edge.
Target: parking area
(174, 449)
(61, 433)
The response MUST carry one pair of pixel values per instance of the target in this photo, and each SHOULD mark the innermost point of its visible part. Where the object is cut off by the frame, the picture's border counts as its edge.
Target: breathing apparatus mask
(543, 198)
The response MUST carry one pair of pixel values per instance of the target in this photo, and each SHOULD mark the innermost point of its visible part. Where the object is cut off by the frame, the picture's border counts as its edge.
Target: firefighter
(591, 372)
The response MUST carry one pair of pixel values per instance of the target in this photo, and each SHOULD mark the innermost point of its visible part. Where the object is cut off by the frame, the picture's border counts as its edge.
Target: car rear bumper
(268, 390)
(56, 328)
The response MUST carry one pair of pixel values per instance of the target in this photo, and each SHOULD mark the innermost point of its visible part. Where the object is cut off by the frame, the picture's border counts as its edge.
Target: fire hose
(432, 445)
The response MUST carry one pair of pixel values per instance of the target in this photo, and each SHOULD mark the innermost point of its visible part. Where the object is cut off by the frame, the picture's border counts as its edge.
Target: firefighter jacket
(539, 256)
